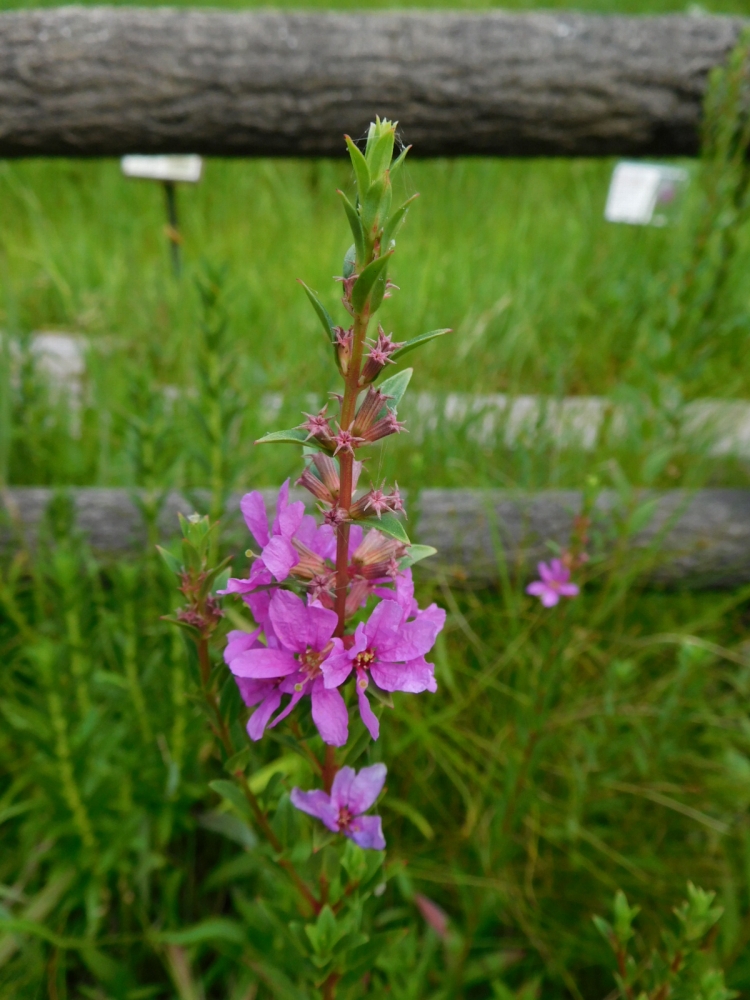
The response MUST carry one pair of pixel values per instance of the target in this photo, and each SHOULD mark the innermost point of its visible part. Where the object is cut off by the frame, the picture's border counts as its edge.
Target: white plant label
(637, 189)
(185, 169)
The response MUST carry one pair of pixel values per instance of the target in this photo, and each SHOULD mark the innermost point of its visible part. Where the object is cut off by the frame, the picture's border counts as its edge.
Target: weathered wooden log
(698, 539)
(103, 81)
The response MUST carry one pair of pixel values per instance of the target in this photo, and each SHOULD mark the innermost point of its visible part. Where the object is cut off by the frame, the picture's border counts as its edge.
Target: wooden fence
(104, 81)
(676, 538)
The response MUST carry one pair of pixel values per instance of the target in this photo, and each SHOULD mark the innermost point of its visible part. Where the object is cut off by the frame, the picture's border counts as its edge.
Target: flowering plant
(336, 629)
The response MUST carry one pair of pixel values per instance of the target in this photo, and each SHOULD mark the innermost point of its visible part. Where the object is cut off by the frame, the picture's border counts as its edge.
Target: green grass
(565, 754)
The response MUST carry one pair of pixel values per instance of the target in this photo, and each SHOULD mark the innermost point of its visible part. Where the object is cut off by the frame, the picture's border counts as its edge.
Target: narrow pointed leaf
(380, 153)
(359, 163)
(416, 554)
(321, 310)
(415, 342)
(371, 207)
(396, 386)
(389, 524)
(399, 162)
(231, 792)
(355, 224)
(293, 436)
(396, 221)
(172, 562)
(365, 282)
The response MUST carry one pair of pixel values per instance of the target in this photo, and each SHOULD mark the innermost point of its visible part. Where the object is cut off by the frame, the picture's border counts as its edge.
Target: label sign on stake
(170, 170)
(637, 189)
(177, 169)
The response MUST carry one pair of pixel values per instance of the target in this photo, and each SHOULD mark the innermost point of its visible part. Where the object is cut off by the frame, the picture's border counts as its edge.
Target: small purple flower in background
(351, 795)
(554, 584)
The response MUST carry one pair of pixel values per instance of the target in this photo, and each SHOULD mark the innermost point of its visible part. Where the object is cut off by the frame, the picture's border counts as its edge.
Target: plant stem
(329, 986)
(346, 463)
(219, 727)
(330, 767)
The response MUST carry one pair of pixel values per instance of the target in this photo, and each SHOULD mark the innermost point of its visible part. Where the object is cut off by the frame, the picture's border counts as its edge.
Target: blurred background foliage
(604, 746)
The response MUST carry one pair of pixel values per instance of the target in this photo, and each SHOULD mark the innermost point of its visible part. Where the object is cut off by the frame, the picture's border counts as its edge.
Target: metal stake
(173, 227)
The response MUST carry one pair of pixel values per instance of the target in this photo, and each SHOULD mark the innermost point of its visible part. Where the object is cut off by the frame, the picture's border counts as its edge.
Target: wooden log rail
(688, 539)
(104, 81)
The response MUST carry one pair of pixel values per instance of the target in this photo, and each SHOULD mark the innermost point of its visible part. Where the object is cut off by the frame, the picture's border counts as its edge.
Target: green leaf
(355, 224)
(359, 163)
(350, 261)
(365, 282)
(172, 562)
(416, 554)
(218, 928)
(389, 524)
(239, 761)
(413, 815)
(320, 309)
(371, 207)
(293, 436)
(396, 221)
(323, 933)
(415, 342)
(399, 162)
(396, 386)
(229, 791)
(380, 153)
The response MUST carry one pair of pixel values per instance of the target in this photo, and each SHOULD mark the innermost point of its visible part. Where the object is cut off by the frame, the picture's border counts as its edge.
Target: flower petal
(337, 666)
(384, 623)
(537, 588)
(296, 696)
(254, 511)
(366, 787)
(259, 603)
(329, 714)
(550, 598)
(369, 718)
(356, 535)
(316, 804)
(568, 589)
(546, 573)
(239, 642)
(258, 721)
(262, 662)
(288, 515)
(342, 782)
(414, 676)
(280, 557)
(289, 616)
(367, 832)
(323, 624)
(252, 691)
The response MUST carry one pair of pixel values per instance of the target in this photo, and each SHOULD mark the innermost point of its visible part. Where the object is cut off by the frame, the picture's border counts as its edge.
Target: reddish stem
(219, 727)
(330, 767)
(346, 464)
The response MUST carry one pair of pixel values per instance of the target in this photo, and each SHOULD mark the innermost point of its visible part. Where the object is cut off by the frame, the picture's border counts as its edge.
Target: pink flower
(292, 535)
(351, 795)
(299, 639)
(554, 584)
(266, 694)
(391, 650)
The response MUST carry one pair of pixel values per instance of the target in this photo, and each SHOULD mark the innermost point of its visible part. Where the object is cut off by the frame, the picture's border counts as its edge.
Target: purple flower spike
(554, 584)
(351, 795)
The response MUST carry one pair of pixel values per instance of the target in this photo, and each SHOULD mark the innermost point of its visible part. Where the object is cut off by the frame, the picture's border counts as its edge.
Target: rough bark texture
(699, 539)
(105, 81)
